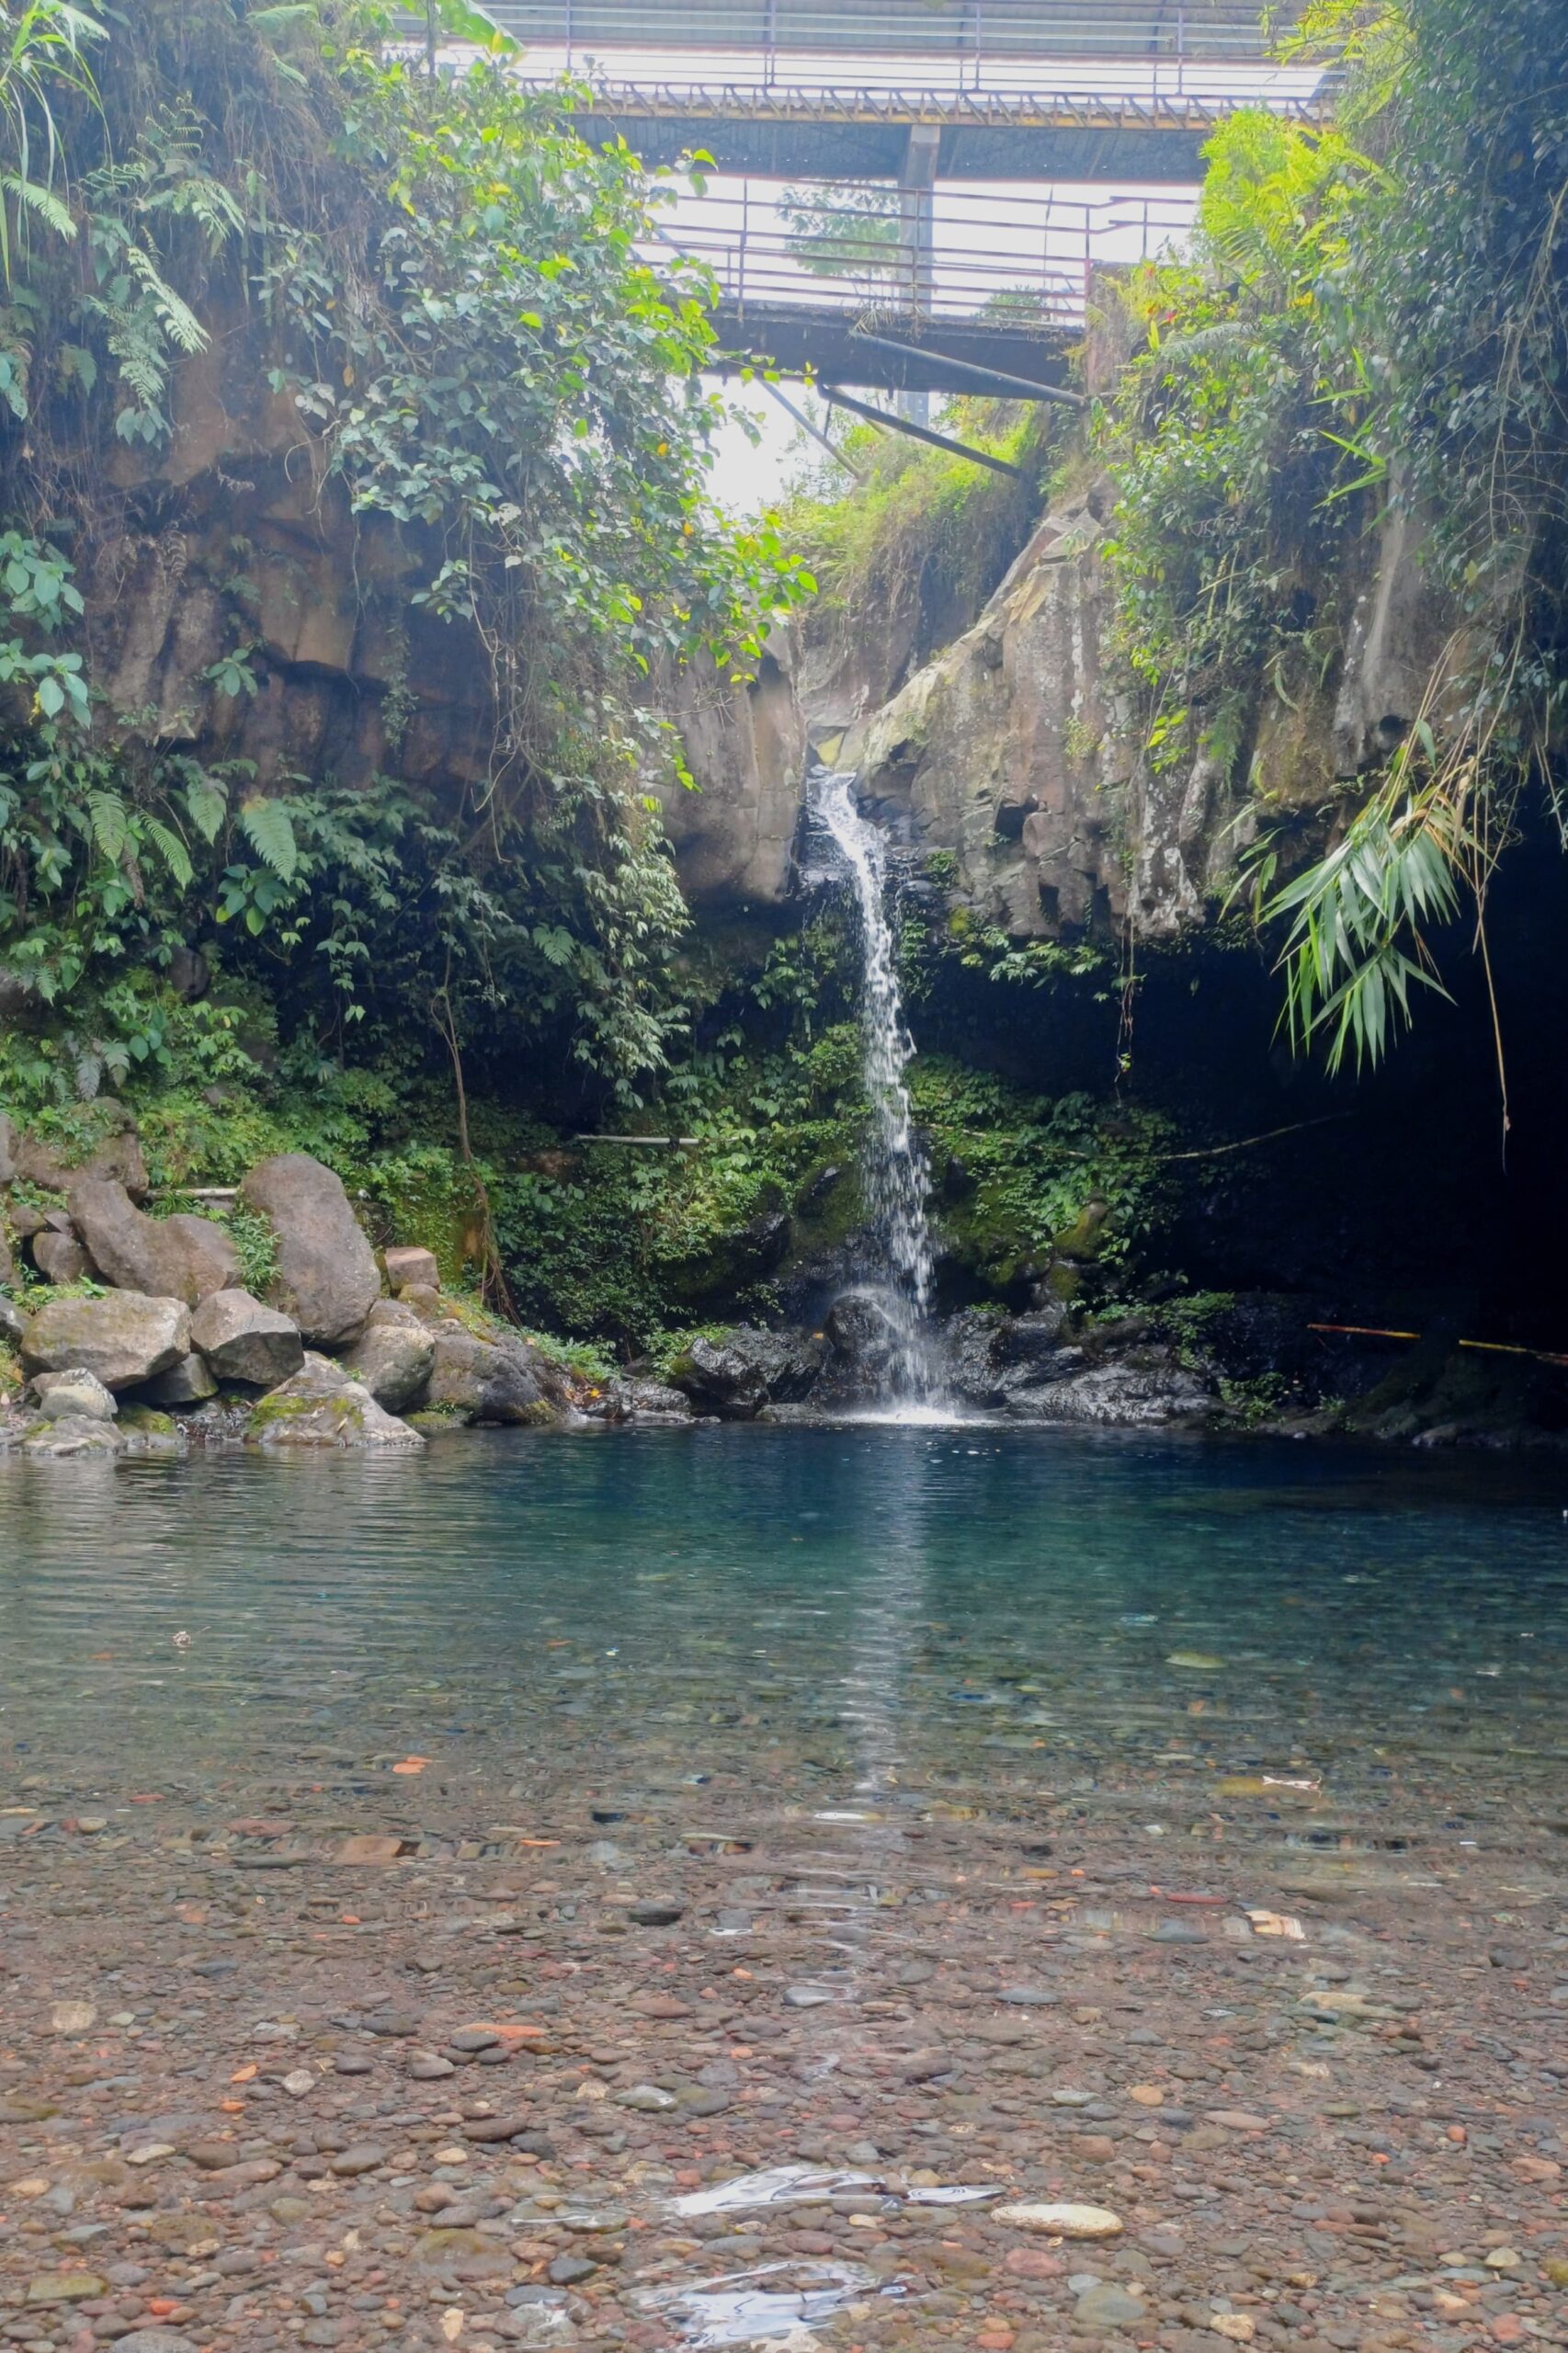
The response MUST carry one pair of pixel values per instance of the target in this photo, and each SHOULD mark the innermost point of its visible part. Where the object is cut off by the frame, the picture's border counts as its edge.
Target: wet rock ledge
(162, 1345)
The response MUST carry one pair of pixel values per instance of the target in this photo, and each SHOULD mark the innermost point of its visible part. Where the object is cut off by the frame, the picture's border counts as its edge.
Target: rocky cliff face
(735, 833)
(1016, 751)
(230, 541)
(1009, 749)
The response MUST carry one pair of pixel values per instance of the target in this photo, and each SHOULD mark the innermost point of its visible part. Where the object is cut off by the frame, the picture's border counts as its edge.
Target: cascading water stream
(896, 1173)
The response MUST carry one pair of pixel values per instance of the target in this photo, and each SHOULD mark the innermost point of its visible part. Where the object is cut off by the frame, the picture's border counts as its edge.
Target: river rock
(75, 1392)
(737, 1376)
(72, 1434)
(1127, 1395)
(1065, 2222)
(993, 1361)
(394, 1357)
(866, 1340)
(1107, 2306)
(172, 1257)
(154, 2340)
(190, 1383)
(7, 1149)
(65, 2287)
(482, 1381)
(320, 1405)
(645, 1401)
(327, 1277)
(54, 1169)
(58, 1258)
(1030, 1339)
(242, 1340)
(125, 1338)
(7, 1264)
(407, 1265)
(13, 1323)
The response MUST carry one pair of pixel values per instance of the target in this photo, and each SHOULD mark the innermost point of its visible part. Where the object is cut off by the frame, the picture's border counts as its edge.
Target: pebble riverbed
(721, 1888)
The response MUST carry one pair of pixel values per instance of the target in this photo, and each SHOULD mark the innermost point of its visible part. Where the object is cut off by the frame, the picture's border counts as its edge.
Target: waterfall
(896, 1174)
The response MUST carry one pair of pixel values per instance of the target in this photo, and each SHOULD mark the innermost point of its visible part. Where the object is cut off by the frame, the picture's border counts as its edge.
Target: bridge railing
(958, 254)
(963, 39)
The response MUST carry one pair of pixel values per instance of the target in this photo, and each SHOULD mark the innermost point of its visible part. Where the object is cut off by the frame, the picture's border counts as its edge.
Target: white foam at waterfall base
(895, 1171)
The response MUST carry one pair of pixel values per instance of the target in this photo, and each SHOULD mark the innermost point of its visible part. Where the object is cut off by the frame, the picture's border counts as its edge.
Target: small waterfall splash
(896, 1174)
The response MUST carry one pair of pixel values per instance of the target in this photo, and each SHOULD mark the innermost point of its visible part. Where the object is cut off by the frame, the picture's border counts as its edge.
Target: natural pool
(1173, 1825)
(945, 1589)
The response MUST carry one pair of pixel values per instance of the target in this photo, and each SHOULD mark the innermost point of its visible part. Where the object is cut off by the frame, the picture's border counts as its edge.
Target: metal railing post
(569, 36)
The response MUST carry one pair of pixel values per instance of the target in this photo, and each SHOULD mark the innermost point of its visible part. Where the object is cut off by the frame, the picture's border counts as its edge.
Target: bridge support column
(916, 209)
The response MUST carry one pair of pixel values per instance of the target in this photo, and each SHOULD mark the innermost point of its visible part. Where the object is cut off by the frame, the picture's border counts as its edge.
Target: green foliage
(1223, 550)
(451, 283)
(1014, 964)
(1365, 329)
(1358, 918)
(922, 522)
(1022, 1170)
(46, 51)
(257, 1245)
(847, 232)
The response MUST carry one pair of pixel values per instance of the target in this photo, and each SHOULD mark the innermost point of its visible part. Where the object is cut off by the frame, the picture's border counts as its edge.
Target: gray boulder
(645, 1401)
(1126, 1396)
(412, 1266)
(394, 1356)
(1032, 1339)
(58, 1258)
(242, 1340)
(425, 1301)
(484, 1381)
(171, 1257)
(993, 1361)
(7, 1149)
(73, 1434)
(49, 1165)
(76, 1394)
(13, 1323)
(7, 1264)
(154, 2340)
(320, 1406)
(866, 1340)
(737, 1376)
(327, 1277)
(190, 1383)
(125, 1338)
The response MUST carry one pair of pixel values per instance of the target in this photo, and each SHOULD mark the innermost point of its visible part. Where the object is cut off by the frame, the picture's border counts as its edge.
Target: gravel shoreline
(277, 2069)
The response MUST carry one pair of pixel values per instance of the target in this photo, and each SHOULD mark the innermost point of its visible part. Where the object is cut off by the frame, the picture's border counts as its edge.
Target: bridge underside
(1074, 147)
(794, 337)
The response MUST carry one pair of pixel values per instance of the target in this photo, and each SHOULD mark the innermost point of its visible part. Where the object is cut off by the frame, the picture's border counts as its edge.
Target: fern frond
(270, 833)
(173, 851)
(208, 805)
(109, 824)
(176, 318)
(42, 200)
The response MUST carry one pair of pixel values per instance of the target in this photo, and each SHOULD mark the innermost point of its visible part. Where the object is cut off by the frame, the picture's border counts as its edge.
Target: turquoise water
(848, 1609)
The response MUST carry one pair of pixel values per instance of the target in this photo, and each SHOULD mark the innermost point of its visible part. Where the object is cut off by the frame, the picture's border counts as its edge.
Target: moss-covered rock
(321, 1406)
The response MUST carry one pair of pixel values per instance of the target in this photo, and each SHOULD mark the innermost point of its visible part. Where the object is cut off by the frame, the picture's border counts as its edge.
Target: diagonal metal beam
(921, 433)
(993, 380)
